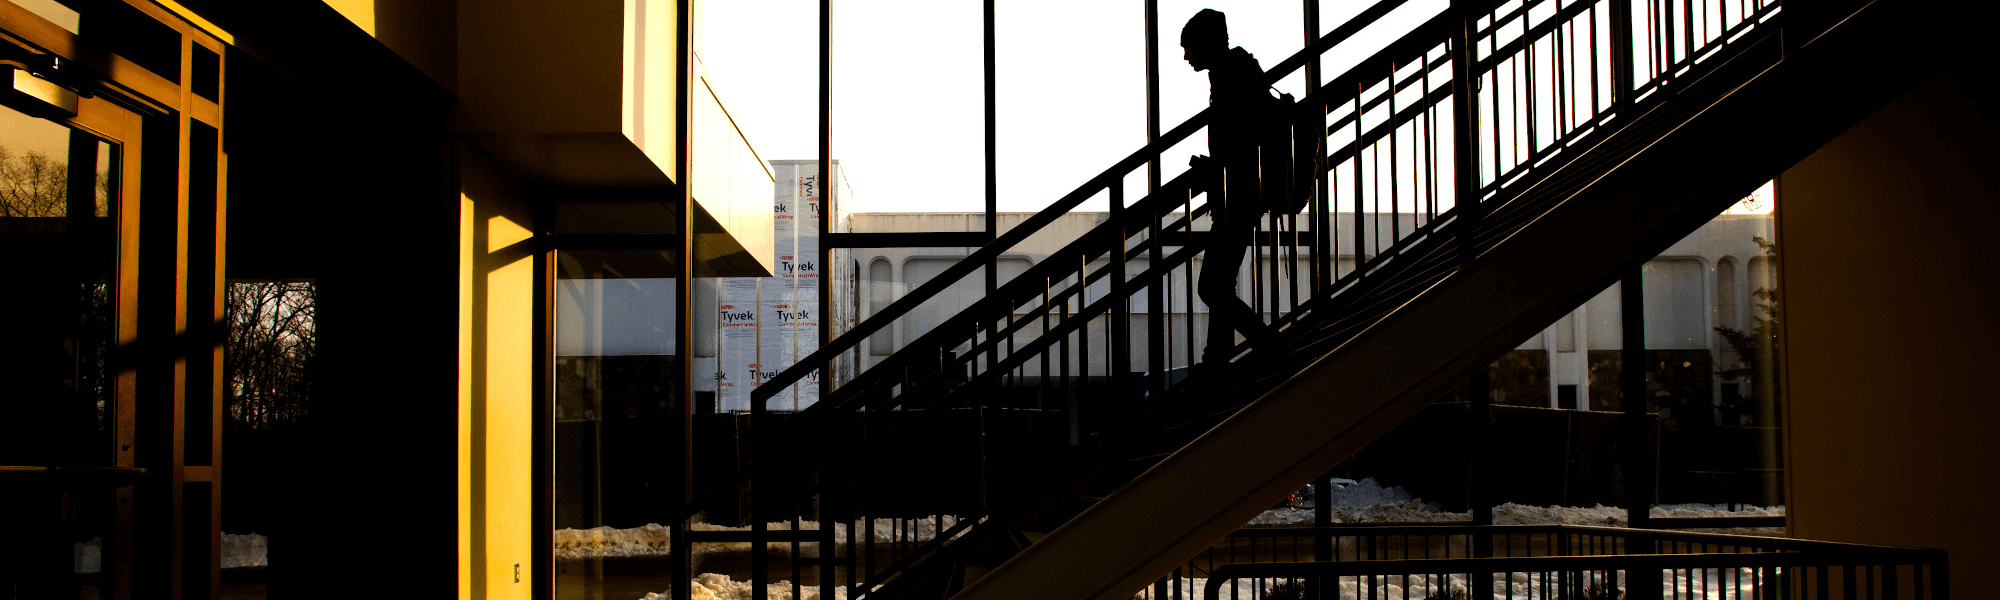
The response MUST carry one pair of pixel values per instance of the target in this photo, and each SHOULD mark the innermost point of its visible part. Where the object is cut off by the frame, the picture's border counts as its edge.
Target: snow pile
(646, 540)
(1413, 511)
(654, 539)
(1518, 514)
(710, 586)
(244, 550)
(1361, 494)
(1612, 516)
(90, 555)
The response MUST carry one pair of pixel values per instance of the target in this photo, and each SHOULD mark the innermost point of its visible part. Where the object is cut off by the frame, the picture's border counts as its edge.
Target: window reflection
(617, 381)
(56, 387)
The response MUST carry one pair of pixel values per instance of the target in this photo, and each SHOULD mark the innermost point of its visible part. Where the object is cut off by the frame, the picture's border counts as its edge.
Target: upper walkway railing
(1545, 84)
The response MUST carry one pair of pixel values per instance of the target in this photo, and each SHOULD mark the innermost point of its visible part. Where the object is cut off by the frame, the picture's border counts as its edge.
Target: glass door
(64, 478)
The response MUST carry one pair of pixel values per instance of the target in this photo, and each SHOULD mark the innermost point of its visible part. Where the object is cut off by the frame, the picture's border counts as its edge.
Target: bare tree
(32, 185)
(268, 355)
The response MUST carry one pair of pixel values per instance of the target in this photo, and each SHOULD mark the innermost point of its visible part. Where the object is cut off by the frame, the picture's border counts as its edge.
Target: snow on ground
(710, 586)
(245, 550)
(1706, 584)
(238, 550)
(90, 556)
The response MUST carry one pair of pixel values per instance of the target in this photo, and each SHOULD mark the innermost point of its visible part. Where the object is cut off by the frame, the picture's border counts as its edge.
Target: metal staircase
(1588, 146)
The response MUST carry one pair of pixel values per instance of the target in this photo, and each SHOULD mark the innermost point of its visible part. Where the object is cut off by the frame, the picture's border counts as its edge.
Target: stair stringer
(1421, 350)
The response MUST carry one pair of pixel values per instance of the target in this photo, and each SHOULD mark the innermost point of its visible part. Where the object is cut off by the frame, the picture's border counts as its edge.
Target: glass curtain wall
(1558, 434)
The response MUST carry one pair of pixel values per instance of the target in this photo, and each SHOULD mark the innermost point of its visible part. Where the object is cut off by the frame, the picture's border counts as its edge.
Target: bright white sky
(907, 82)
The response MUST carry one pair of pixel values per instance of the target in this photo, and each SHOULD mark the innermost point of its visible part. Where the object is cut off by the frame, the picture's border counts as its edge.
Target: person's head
(1204, 38)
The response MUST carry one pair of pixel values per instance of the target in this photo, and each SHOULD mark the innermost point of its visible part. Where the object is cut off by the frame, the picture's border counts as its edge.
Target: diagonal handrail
(1061, 264)
(1104, 180)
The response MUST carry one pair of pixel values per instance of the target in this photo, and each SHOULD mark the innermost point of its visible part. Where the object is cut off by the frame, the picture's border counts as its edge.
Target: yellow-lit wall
(1889, 277)
(496, 394)
(651, 78)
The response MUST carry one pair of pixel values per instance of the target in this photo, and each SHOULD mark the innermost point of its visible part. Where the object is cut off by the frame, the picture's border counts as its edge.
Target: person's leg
(1227, 313)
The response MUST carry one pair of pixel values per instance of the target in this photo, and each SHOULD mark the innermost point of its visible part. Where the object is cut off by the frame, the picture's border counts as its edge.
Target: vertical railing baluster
(1083, 334)
(1272, 238)
(1013, 374)
(1558, 115)
(1256, 257)
(1042, 376)
(1360, 188)
(1119, 346)
(1395, 182)
(1156, 308)
(1426, 144)
(1375, 195)
(1068, 388)
(867, 578)
(1622, 63)
(1687, 27)
(1187, 208)
(1530, 117)
(1325, 254)
(1519, 95)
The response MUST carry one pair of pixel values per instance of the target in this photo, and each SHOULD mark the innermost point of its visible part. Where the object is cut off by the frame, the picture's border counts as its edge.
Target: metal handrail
(990, 323)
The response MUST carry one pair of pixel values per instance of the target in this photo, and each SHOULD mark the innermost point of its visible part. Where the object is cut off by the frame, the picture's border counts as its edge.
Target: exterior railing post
(1464, 131)
(1638, 448)
(1323, 534)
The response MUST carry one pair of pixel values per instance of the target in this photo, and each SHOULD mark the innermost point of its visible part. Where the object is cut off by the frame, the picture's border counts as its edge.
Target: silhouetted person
(1239, 102)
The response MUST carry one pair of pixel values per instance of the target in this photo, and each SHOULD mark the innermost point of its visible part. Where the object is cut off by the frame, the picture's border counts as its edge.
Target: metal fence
(1557, 561)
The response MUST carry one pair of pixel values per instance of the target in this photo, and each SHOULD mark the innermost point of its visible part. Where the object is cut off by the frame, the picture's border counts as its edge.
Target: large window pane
(617, 378)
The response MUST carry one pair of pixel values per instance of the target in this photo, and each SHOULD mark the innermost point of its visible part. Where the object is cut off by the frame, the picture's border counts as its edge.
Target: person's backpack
(1291, 156)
